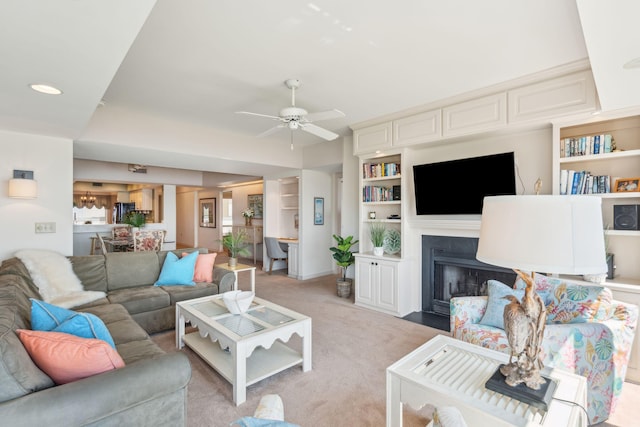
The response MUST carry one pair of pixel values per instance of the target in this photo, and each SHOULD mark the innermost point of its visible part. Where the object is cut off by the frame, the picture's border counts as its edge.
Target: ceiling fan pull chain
(291, 133)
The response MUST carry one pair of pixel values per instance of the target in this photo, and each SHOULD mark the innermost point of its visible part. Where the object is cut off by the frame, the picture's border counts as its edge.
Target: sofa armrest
(102, 396)
(465, 310)
(225, 279)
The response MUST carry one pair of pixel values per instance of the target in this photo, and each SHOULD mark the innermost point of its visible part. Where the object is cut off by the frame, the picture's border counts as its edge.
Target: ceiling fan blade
(318, 131)
(259, 115)
(324, 115)
(272, 130)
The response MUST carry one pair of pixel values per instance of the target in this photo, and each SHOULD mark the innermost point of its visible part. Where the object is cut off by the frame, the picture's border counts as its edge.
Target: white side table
(238, 268)
(449, 372)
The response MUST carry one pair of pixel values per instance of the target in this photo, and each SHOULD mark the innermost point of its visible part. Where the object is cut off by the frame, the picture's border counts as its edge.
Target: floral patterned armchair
(597, 347)
(148, 240)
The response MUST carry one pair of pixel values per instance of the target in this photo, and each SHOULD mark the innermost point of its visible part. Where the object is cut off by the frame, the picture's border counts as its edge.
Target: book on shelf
(379, 170)
(585, 145)
(373, 193)
(583, 182)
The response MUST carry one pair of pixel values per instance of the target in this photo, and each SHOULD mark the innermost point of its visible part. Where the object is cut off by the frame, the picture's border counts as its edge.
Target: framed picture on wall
(318, 211)
(207, 213)
(255, 203)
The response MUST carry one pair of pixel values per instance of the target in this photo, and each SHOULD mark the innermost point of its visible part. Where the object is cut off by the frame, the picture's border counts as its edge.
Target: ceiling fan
(298, 118)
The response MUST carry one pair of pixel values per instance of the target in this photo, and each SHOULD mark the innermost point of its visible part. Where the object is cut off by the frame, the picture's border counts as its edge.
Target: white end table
(238, 268)
(449, 372)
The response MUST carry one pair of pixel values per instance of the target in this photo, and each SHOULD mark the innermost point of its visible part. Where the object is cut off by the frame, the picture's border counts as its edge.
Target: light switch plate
(45, 227)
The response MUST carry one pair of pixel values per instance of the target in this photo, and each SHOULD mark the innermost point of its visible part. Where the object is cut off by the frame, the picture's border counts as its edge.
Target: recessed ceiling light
(634, 63)
(48, 89)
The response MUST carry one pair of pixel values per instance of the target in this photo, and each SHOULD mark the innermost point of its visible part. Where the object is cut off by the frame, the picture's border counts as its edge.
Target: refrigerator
(120, 210)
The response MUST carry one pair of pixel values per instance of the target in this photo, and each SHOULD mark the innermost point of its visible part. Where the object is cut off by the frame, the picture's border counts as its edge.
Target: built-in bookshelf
(381, 186)
(583, 165)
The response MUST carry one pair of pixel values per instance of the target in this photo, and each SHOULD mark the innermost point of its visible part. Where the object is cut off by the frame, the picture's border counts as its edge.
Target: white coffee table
(448, 372)
(244, 348)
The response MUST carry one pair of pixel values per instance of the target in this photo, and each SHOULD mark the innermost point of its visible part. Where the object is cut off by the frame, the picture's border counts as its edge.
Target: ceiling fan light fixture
(293, 125)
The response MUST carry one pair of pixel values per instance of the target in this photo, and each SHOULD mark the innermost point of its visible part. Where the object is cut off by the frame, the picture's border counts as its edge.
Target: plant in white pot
(344, 258)
(377, 232)
(236, 243)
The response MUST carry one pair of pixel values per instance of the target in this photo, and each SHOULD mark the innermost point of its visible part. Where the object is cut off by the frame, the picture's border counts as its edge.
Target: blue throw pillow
(49, 317)
(494, 315)
(178, 271)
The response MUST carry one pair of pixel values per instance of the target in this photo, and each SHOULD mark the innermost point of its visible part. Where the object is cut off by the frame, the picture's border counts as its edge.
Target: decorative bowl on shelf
(392, 241)
(237, 302)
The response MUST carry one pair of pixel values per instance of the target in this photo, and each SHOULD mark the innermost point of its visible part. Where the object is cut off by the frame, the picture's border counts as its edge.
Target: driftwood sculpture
(524, 325)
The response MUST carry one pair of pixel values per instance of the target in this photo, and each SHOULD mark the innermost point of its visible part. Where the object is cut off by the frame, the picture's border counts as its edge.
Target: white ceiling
(172, 84)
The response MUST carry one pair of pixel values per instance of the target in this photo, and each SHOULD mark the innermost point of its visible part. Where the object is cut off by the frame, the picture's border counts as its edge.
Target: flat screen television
(458, 187)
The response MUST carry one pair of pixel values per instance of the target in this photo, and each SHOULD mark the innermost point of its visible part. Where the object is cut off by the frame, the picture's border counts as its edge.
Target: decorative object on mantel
(248, 215)
(392, 243)
(552, 234)
(236, 244)
(344, 258)
(377, 231)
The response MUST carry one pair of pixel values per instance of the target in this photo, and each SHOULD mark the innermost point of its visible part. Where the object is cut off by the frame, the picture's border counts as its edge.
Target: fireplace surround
(450, 269)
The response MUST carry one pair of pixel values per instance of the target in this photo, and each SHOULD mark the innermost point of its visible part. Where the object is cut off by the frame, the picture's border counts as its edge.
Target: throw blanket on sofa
(53, 275)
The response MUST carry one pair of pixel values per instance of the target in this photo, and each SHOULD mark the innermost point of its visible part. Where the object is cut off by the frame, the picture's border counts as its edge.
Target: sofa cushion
(494, 314)
(177, 271)
(67, 358)
(19, 375)
(91, 270)
(140, 299)
(182, 293)
(53, 275)
(573, 303)
(131, 269)
(204, 267)
(48, 317)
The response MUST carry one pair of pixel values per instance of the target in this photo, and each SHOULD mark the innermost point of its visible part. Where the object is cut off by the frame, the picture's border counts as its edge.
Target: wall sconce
(23, 186)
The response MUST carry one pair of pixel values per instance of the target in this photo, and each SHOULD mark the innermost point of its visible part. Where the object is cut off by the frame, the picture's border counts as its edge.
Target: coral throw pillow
(67, 358)
(204, 267)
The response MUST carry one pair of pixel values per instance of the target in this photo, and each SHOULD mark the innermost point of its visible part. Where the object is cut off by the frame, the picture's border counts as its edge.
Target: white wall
(315, 240)
(51, 161)
(350, 225)
(186, 218)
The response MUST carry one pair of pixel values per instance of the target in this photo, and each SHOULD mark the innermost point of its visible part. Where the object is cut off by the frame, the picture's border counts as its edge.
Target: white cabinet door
(293, 260)
(479, 115)
(365, 278)
(572, 94)
(377, 284)
(387, 285)
(372, 138)
(419, 128)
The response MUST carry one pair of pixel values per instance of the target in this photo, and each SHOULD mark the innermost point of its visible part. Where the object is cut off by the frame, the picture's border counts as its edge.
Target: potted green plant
(344, 258)
(135, 219)
(377, 232)
(236, 243)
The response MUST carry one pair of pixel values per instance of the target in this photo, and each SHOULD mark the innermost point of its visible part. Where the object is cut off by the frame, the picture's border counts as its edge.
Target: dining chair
(148, 240)
(121, 232)
(103, 245)
(275, 252)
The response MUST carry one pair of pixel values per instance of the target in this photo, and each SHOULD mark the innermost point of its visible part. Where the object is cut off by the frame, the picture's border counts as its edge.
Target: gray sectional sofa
(150, 390)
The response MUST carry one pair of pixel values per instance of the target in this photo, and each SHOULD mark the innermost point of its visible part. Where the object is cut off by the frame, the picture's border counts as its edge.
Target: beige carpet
(352, 347)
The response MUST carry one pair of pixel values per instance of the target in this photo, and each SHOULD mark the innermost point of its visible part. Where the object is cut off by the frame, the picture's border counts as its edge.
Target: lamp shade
(545, 234)
(20, 188)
